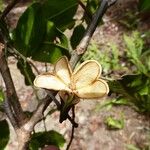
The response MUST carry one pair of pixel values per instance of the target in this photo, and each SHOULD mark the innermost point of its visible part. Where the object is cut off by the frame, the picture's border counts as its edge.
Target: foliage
(36, 33)
(135, 49)
(4, 134)
(136, 87)
(113, 102)
(1, 96)
(41, 139)
(144, 5)
(130, 20)
(109, 57)
(113, 123)
(132, 147)
(40, 36)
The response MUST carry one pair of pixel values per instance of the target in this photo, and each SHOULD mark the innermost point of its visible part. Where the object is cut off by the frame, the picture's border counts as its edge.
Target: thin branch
(10, 114)
(13, 51)
(73, 128)
(10, 89)
(8, 8)
(82, 47)
(32, 64)
(38, 114)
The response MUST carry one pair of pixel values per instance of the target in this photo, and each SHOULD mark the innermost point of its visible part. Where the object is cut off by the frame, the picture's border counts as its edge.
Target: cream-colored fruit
(84, 82)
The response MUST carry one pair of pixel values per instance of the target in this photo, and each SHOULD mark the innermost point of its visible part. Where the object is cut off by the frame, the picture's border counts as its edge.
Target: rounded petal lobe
(97, 89)
(49, 81)
(63, 70)
(86, 73)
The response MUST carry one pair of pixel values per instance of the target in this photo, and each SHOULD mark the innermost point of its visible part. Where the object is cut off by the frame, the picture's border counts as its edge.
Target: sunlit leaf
(34, 30)
(113, 123)
(30, 30)
(145, 58)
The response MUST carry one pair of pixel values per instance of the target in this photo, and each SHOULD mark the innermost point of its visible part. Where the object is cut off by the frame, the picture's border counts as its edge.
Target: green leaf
(113, 102)
(4, 134)
(91, 6)
(47, 138)
(131, 147)
(26, 71)
(50, 52)
(144, 5)
(145, 59)
(77, 35)
(134, 88)
(61, 12)
(30, 30)
(1, 96)
(134, 45)
(114, 123)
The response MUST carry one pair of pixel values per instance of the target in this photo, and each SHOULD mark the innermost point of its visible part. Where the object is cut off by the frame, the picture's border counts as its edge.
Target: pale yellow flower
(84, 81)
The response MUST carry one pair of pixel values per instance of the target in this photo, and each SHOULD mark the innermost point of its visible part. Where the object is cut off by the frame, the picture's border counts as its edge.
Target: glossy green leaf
(50, 52)
(26, 71)
(30, 30)
(61, 12)
(77, 35)
(47, 138)
(4, 134)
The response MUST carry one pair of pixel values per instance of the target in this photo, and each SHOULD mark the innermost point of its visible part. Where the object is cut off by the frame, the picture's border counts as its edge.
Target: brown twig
(10, 89)
(14, 52)
(38, 114)
(73, 128)
(9, 112)
(82, 47)
(8, 8)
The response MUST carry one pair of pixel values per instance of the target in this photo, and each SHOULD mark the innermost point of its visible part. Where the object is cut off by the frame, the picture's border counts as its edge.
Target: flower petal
(63, 70)
(86, 73)
(49, 81)
(97, 89)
